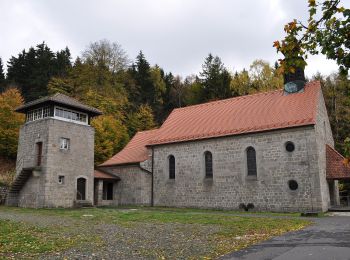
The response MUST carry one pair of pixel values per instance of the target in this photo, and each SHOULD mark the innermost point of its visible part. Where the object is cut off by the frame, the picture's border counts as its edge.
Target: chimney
(294, 82)
(297, 76)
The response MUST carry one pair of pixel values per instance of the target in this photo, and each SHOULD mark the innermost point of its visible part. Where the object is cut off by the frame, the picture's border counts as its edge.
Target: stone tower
(55, 158)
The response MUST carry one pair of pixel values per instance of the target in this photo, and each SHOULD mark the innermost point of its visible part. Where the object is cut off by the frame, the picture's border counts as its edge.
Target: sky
(175, 34)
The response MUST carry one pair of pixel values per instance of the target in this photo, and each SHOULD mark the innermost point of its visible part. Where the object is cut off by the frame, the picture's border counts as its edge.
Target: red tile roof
(135, 151)
(102, 175)
(245, 114)
(336, 168)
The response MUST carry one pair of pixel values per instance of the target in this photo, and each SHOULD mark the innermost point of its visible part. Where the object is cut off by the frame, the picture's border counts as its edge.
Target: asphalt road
(328, 239)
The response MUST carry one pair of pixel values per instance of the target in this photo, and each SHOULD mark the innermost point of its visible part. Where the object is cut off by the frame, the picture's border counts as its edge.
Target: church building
(270, 151)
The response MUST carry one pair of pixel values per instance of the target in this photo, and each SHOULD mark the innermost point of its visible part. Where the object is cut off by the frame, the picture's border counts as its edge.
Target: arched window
(251, 161)
(208, 157)
(171, 167)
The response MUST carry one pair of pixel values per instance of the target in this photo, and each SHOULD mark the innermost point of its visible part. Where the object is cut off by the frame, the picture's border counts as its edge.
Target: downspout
(152, 185)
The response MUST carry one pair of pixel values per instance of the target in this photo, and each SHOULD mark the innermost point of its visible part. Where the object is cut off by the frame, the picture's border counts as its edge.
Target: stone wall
(33, 192)
(134, 187)
(324, 136)
(74, 163)
(43, 188)
(230, 185)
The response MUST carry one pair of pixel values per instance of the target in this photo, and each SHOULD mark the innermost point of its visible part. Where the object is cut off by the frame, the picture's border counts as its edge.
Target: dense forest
(135, 95)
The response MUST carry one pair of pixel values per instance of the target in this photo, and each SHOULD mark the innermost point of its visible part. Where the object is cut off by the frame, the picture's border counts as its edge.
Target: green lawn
(227, 231)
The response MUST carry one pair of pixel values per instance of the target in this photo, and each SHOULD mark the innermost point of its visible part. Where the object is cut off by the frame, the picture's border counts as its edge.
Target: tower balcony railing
(29, 161)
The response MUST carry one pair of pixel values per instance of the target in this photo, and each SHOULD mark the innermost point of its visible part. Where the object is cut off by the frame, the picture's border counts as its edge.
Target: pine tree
(215, 79)
(2, 77)
(31, 70)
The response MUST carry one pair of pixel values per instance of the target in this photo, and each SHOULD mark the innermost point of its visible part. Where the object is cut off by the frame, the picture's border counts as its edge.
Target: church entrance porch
(105, 189)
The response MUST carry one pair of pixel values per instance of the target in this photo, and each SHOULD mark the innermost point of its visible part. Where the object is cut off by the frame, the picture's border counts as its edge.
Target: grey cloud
(176, 34)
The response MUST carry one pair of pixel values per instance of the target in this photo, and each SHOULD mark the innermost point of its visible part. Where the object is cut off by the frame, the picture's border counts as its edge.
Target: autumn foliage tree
(110, 137)
(327, 31)
(10, 122)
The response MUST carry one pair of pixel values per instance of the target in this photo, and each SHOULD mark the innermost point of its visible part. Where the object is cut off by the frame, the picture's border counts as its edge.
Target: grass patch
(27, 240)
(231, 231)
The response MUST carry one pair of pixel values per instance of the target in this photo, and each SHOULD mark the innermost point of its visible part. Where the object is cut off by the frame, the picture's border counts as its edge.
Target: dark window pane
(251, 161)
(171, 167)
(208, 165)
(107, 190)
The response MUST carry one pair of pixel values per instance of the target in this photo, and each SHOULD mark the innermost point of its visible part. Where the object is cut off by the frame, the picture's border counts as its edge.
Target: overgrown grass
(235, 231)
(22, 240)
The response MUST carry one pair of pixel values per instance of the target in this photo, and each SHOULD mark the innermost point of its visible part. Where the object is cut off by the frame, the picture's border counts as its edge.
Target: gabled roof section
(135, 151)
(336, 168)
(60, 99)
(239, 115)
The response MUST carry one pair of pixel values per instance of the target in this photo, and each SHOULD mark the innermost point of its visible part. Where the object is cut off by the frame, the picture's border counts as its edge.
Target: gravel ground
(136, 241)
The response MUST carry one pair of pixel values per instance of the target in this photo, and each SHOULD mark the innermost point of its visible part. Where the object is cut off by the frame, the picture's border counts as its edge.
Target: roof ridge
(213, 102)
(228, 99)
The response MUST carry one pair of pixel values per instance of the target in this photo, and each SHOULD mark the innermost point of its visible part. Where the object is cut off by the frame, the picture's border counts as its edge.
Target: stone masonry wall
(134, 187)
(43, 189)
(33, 193)
(323, 136)
(74, 163)
(230, 185)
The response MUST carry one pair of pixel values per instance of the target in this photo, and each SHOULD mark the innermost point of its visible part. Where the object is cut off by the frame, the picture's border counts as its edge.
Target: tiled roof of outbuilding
(245, 114)
(60, 99)
(336, 168)
(135, 151)
(102, 175)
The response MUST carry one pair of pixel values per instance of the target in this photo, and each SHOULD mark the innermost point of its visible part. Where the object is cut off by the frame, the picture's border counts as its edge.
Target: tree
(110, 137)
(94, 86)
(336, 91)
(159, 89)
(10, 122)
(215, 79)
(263, 77)
(143, 92)
(140, 120)
(241, 84)
(329, 34)
(2, 77)
(32, 70)
(106, 54)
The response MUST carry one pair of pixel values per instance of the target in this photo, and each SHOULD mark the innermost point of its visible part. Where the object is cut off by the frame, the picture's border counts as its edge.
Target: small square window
(61, 179)
(64, 144)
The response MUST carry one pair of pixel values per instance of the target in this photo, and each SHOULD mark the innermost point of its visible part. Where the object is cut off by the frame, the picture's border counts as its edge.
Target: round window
(293, 185)
(290, 146)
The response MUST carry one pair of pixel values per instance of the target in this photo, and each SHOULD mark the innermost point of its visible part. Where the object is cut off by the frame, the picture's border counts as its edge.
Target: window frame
(250, 167)
(172, 167)
(67, 115)
(66, 144)
(208, 165)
